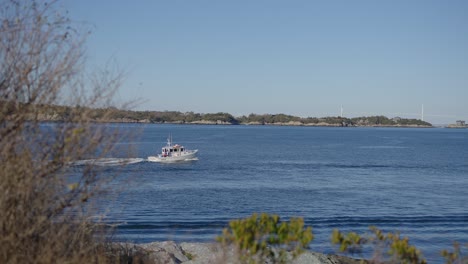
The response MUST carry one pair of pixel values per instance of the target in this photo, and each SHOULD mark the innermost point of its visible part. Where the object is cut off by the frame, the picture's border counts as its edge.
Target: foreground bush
(456, 256)
(391, 248)
(46, 216)
(261, 237)
(388, 248)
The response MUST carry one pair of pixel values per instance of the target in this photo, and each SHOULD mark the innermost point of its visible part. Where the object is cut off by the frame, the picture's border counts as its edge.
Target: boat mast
(169, 140)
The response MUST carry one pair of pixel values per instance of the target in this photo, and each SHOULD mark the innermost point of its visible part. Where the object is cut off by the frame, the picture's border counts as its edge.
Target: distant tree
(191, 117)
(223, 117)
(414, 122)
(311, 120)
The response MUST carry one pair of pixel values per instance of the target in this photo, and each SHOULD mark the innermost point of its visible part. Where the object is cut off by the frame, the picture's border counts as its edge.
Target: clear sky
(298, 57)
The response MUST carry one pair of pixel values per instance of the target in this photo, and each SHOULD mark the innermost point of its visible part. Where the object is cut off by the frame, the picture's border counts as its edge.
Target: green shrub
(398, 249)
(456, 256)
(263, 236)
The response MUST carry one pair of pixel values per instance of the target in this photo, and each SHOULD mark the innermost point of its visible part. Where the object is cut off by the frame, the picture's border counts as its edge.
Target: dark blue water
(414, 181)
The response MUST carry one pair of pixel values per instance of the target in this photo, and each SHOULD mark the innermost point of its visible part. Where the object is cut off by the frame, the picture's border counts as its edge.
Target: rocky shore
(205, 253)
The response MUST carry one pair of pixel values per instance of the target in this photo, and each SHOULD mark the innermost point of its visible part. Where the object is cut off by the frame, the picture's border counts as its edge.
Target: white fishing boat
(172, 153)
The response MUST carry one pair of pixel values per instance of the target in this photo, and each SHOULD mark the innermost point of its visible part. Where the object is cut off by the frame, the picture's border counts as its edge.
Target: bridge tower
(422, 112)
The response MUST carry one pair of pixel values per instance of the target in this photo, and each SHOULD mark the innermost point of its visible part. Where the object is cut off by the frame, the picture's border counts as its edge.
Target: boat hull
(188, 155)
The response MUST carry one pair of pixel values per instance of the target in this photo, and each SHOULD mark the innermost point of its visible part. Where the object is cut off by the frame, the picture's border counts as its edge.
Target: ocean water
(413, 181)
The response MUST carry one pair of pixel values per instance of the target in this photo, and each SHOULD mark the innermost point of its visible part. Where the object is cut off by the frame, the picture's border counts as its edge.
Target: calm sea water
(414, 181)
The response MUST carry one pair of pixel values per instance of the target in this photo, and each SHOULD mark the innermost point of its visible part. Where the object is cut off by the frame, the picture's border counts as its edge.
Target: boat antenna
(169, 140)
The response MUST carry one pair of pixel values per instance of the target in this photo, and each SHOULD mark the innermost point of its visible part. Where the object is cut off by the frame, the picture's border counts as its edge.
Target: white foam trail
(382, 147)
(108, 161)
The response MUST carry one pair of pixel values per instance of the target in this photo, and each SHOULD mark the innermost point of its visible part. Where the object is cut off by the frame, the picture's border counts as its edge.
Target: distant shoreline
(61, 113)
(211, 123)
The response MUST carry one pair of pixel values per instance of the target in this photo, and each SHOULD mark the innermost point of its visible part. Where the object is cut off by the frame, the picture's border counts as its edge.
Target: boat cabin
(171, 150)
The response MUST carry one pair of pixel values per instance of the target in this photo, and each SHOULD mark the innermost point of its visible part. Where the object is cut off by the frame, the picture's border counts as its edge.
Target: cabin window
(182, 149)
(171, 150)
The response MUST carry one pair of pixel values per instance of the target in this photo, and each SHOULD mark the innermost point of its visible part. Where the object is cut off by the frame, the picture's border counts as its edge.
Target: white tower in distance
(422, 112)
(341, 113)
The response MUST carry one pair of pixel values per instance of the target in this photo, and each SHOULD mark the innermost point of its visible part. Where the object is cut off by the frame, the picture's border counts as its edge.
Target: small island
(458, 124)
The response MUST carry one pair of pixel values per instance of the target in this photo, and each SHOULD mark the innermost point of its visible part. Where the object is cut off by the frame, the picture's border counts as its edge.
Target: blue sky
(297, 57)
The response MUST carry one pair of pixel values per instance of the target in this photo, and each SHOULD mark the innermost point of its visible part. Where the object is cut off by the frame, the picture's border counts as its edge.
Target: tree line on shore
(112, 114)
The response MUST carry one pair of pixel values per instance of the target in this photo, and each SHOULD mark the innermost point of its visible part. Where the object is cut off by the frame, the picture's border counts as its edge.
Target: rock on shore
(205, 253)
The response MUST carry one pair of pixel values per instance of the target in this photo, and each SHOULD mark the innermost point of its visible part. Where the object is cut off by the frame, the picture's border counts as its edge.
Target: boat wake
(108, 161)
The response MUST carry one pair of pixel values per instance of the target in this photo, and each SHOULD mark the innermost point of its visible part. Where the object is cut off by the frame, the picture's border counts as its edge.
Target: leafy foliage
(456, 256)
(264, 236)
(398, 249)
(45, 214)
(351, 242)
